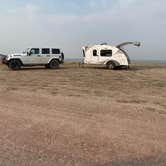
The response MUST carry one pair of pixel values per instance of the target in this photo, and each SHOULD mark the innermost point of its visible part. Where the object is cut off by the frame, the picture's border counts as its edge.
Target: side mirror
(29, 53)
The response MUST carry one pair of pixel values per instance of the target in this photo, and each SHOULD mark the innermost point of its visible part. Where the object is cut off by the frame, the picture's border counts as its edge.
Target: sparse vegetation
(83, 116)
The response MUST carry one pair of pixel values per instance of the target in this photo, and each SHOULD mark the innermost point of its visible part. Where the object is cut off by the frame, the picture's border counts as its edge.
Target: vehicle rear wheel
(14, 64)
(54, 64)
(110, 65)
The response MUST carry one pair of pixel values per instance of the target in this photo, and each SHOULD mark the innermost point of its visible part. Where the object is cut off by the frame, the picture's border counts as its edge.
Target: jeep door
(33, 57)
(45, 55)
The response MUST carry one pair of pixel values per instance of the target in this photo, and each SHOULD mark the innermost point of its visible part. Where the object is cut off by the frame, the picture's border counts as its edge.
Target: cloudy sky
(71, 24)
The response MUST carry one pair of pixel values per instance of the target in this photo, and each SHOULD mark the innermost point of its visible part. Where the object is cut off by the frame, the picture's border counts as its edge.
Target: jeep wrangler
(49, 57)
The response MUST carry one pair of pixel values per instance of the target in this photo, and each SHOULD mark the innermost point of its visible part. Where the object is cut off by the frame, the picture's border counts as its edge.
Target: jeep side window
(35, 51)
(106, 53)
(95, 53)
(55, 51)
(45, 51)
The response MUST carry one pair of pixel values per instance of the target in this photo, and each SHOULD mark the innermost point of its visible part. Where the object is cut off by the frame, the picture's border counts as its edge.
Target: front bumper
(5, 61)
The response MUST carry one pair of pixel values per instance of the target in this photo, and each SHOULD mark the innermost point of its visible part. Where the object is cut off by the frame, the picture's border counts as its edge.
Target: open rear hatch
(120, 46)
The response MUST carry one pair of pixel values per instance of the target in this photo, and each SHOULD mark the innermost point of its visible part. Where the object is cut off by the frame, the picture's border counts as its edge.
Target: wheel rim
(14, 65)
(111, 66)
(54, 64)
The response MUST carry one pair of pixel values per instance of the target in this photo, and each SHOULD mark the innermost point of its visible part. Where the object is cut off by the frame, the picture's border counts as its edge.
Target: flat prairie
(87, 116)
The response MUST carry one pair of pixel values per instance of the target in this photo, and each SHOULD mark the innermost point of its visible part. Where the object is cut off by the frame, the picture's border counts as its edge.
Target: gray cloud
(115, 22)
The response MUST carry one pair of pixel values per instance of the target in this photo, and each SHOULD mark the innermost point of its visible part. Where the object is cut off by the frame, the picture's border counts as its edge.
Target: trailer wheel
(110, 65)
(14, 64)
(54, 64)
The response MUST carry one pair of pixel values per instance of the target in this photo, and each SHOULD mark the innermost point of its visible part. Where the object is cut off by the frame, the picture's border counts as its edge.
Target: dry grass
(83, 116)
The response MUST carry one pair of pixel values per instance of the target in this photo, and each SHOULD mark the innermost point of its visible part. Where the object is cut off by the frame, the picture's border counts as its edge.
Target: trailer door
(95, 57)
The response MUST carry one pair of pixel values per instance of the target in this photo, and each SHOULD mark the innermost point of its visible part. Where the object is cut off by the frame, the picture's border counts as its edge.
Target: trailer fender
(112, 61)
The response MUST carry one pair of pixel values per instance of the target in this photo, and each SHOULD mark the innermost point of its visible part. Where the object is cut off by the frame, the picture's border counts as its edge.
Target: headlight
(7, 57)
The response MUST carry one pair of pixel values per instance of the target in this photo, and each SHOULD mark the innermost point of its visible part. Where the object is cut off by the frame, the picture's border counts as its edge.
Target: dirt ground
(83, 116)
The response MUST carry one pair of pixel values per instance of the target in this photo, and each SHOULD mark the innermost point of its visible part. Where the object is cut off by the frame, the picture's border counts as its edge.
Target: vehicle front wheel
(54, 64)
(14, 65)
(110, 65)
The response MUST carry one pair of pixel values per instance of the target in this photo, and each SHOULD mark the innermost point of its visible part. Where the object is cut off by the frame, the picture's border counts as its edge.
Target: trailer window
(55, 51)
(94, 52)
(45, 51)
(35, 51)
(107, 53)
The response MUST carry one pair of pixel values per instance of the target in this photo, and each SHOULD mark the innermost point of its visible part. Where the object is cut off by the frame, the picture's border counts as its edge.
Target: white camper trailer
(110, 56)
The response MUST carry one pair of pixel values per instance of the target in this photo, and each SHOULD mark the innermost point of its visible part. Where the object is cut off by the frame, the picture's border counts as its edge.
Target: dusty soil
(83, 116)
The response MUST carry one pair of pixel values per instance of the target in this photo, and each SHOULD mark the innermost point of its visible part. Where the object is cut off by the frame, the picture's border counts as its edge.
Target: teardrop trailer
(112, 57)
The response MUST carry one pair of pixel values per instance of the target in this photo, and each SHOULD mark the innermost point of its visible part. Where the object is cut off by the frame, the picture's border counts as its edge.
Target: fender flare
(54, 59)
(15, 59)
(114, 61)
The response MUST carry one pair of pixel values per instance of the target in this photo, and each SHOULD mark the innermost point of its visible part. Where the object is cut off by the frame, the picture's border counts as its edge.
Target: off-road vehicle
(49, 57)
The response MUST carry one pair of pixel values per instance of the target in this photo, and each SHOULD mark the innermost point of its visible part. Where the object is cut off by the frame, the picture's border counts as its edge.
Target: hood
(17, 54)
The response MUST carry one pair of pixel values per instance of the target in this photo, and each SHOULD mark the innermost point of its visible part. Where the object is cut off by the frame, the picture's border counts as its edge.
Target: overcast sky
(71, 24)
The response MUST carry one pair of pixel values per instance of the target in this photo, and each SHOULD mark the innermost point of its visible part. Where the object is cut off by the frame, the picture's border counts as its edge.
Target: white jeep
(48, 57)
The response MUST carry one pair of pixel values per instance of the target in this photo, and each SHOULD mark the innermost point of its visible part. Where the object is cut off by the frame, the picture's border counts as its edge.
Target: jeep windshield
(27, 50)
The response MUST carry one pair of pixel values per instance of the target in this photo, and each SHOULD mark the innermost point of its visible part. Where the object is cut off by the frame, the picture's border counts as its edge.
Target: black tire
(110, 65)
(54, 64)
(14, 65)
